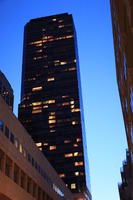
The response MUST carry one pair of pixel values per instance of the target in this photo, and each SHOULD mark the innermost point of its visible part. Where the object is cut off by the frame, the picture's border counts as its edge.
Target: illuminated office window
(39, 144)
(37, 88)
(36, 111)
(73, 186)
(75, 110)
(67, 141)
(51, 79)
(51, 121)
(62, 175)
(52, 147)
(63, 63)
(20, 148)
(68, 155)
(78, 163)
(76, 173)
(36, 103)
(78, 139)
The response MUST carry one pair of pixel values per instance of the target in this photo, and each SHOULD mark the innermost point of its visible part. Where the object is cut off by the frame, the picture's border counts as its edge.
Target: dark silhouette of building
(6, 90)
(51, 102)
(122, 22)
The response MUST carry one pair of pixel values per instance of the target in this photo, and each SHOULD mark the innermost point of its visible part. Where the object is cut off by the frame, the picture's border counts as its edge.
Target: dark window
(33, 162)
(1, 125)
(6, 132)
(12, 138)
(29, 157)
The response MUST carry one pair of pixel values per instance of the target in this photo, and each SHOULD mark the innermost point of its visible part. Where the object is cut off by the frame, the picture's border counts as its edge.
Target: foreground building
(122, 22)
(51, 102)
(25, 174)
(6, 90)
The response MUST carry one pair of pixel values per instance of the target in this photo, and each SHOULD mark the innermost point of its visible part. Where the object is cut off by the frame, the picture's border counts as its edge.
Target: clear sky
(103, 116)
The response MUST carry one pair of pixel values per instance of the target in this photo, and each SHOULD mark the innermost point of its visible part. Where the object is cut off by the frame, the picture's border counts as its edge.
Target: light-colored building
(25, 174)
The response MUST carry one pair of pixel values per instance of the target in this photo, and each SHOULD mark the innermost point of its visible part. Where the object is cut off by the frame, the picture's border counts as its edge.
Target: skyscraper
(6, 90)
(51, 102)
(122, 18)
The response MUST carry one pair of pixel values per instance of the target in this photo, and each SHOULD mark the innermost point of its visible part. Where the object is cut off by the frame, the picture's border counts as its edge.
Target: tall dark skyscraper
(51, 102)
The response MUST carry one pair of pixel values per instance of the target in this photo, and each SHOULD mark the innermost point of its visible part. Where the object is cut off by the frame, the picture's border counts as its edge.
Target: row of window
(25, 153)
(21, 178)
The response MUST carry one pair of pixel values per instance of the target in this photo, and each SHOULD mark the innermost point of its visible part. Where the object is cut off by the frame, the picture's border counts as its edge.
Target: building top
(6, 90)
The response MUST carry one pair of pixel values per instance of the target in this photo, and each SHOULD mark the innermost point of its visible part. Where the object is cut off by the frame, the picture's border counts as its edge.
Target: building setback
(6, 90)
(51, 102)
(122, 23)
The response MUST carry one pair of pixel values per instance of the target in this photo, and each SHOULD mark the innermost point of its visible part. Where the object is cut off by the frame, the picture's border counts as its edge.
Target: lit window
(68, 155)
(72, 69)
(76, 154)
(52, 131)
(52, 117)
(45, 144)
(37, 58)
(37, 108)
(69, 36)
(75, 145)
(63, 63)
(65, 103)
(67, 141)
(52, 147)
(75, 110)
(72, 106)
(76, 173)
(38, 144)
(78, 163)
(45, 106)
(62, 175)
(71, 102)
(73, 186)
(61, 26)
(73, 122)
(16, 143)
(63, 97)
(36, 103)
(49, 101)
(51, 79)
(37, 88)
(20, 148)
(78, 139)
(36, 42)
(40, 148)
(74, 60)
(52, 113)
(51, 121)
(36, 111)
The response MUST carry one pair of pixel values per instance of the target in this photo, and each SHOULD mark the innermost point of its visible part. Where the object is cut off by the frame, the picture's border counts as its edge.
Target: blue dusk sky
(103, 116)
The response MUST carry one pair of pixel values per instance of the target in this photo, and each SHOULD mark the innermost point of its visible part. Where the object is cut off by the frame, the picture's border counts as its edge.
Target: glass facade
(51, 102)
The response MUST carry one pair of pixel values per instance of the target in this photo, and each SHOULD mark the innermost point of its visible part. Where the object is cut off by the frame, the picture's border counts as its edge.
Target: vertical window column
(8, 167)
(2, 161)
